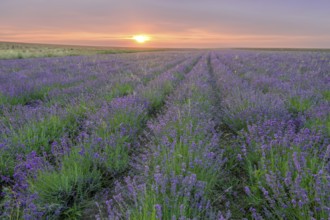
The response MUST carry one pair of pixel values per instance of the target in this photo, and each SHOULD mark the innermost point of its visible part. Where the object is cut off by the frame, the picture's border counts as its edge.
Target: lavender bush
(228, 134)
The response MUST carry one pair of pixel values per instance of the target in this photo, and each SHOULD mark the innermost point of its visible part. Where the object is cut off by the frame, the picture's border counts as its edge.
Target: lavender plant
(238, 134)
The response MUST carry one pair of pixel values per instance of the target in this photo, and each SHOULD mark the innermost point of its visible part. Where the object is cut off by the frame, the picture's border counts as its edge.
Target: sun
(141, 38)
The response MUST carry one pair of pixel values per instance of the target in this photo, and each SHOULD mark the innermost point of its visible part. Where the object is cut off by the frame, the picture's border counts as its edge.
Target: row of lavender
(183, 164)
(28, 82)
(242, 135)
(276, 107)
(54, 176)
(27, 128)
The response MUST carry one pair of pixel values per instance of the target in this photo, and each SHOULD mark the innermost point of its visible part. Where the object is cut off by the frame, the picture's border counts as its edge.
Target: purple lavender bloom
(247, 190)
(158, 211)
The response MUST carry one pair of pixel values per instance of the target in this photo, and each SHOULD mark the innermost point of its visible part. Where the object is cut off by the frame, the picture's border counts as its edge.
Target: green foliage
(67, 85)
(168, 86)
(7, 163)
(146, 80)
(74, 117)
(183, 154)
(297, 105)
(66, 190)
(260, 166)
(172, 160)
(147, 208)
(39, 135)
(26, 97)
(319, 123)
(7, 202)
(117, 121)
(326, 95)
(232, 119)
(117, 156)
(179, 75)
(156, 96)
(119, 90)
(20, 56)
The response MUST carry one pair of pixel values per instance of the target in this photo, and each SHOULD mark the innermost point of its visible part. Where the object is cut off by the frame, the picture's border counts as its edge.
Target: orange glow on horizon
(192, 38)
(166, 24)
(141, 38)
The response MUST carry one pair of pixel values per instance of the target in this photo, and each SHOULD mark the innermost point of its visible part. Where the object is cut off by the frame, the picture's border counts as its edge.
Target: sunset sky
(168, 23)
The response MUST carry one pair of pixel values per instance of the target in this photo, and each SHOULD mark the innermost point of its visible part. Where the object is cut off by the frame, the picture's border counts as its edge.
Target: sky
(169, 23)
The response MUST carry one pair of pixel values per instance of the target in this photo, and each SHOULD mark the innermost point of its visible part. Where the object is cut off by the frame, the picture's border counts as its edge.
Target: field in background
(288, 49)
(10, 50)
(191, 134)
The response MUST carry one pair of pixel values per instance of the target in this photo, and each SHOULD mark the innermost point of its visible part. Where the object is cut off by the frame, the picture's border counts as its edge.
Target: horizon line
(148, 47)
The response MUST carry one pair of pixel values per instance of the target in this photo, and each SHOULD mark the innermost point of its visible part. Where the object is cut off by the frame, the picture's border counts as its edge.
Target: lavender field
(191, 134)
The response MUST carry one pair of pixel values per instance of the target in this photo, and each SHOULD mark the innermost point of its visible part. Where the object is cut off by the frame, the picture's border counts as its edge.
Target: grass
(82, 173)
(118, 90)
(7, 163)
(297, 105)
(67, 190)
(277, 162)
(156, 97)
(287, 49)
(232, 115)
(11, 50)
(38, 136)
(183, 154)
(326, 95)
(319, 123)
(117, 153)
(25, 98)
